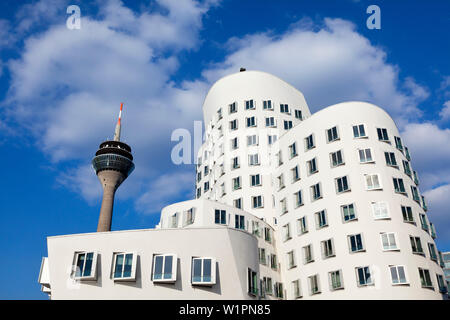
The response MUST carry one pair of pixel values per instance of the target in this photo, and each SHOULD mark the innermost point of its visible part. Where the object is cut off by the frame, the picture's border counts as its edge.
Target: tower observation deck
(113, 163)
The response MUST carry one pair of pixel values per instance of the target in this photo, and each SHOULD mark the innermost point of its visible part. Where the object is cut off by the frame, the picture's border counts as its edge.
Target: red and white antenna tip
(118, 125)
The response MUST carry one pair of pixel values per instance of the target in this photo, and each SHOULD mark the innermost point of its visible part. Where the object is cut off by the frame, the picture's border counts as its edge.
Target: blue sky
(60, 91)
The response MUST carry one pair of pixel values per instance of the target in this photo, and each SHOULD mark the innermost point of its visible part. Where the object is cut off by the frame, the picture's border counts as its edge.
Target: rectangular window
(390, 159)
(252, 277)
(415, 194)
(308, 254)
(382, 134)
(348, 212)
(164, 268)
(407, 214)
(284, 108)
(298, 198)
(270, 122)
(293, 150)
(287, 232)
(432, 251)
(279, 290)
(441, 283)
(406, 168)
(236, 183)
(416, 245)
(372, 182)
(291, 259)
(365, 155)
(332, 134)
(312, 166)
(336, 158)
(232, 108)
(86, 265)
(359, 131)
(321, 219)
(271, 139)
(124, 266)
(238, 203)
(398, 143)
(267, 105)
(298, 114)
(235, 163)
(174, 220)
(296, 290)
(287, 124)
(206, 186)
(356, 243)
(309, 142)
(342, 184)
(203, 271)
(295, 174)
(273, 261)
(388, 241)
(380, 210)
(234, 143)
(253, 159)
(255, 180)
(327, 248)
(249, 104)
(398, 274)
(239, 222)
(302, 225)
(233, 124)
(268, 285)
(316, 191)
(364, 276)
(220, 216)
(399, 187)
(314, 287)
(255, 229)
(252, 140)
(251, 122)
(336, 280)
(425, 278)
(283, 205)
(280, 180)
(257, 202)
(189, 216)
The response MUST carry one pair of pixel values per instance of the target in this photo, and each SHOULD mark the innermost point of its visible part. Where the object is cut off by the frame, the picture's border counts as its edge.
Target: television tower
(113, 163)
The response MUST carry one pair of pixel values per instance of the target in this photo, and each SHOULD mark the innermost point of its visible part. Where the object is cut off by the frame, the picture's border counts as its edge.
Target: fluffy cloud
(331, 63)
(430, 158)
(163, 191)
(67, 85)
(445, 112)
(439, 204)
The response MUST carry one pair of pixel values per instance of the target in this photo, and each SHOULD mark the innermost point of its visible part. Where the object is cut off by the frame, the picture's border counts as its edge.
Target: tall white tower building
(288, 205)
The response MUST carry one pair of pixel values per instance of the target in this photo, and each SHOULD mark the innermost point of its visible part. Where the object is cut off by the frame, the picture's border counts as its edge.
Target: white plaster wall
(234, 251)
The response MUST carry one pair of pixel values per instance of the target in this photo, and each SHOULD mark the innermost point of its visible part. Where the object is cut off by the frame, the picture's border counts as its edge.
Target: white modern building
(289, 205)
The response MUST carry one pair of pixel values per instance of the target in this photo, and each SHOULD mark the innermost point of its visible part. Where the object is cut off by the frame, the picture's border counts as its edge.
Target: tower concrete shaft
(110, 181)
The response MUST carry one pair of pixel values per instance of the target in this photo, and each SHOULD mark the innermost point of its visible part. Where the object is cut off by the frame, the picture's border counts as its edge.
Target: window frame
(132, 276)
(213, 272)
(173, 278)
(397, 248)
(93, 271)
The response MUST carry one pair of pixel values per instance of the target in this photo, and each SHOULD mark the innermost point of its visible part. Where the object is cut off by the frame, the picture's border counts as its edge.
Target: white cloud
(67, 85)
(329, 65)
(439, 204)
(430, 155)
(163, 190)
(445, 112)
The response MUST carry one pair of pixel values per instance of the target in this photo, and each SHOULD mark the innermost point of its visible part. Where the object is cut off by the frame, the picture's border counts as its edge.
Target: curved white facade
(289, 206)
(366, 230)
